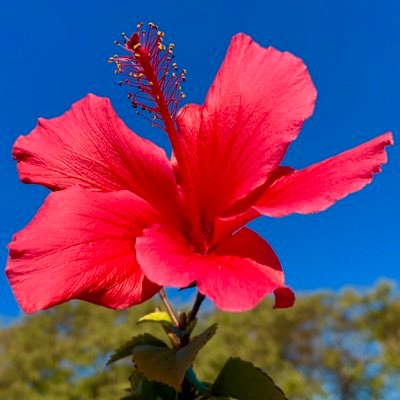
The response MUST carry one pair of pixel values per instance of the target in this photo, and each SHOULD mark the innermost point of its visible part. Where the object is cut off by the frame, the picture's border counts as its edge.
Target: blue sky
(53, 53)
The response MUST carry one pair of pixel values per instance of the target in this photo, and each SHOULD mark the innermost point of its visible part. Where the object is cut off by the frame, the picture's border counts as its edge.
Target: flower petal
(235, 276)
(81, 245)
(224, 227)
(284, 297)
(318, 186)
(91, 147)
(254, 109)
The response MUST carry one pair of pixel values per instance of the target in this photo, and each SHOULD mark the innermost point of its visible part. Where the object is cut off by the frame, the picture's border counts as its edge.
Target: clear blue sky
(54, 52)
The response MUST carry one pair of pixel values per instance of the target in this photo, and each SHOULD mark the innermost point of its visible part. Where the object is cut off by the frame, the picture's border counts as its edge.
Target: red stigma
(134, 40)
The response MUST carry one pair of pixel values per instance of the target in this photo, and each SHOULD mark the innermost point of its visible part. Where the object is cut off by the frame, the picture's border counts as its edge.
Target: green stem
(174, 341)
(191, 316)
(196, 306)
(169, 308)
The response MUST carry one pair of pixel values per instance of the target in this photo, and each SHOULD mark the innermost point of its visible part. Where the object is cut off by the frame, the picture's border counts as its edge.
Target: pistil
(149, 68)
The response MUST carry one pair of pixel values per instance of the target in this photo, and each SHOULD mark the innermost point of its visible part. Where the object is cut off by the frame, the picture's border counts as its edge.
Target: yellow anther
(136, 46)
(151, 83)
(137, 55)
(183, 95)
(139, 25)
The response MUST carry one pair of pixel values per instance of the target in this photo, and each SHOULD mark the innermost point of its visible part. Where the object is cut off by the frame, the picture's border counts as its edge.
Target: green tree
(61, 353)
(337, 346)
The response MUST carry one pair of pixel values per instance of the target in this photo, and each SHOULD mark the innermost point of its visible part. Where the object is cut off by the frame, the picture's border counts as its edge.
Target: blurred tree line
(340, 346)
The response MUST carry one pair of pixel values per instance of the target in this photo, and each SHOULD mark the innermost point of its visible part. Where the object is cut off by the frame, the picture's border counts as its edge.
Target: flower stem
(196, 306)
(169, 308)
(174, 341)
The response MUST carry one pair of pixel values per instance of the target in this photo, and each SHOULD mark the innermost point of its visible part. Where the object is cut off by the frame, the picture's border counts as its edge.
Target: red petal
(317, 187)
(284, 297)
(235, 276)
(225, 226)
(91, 147)
(254, 109)
(81, 245)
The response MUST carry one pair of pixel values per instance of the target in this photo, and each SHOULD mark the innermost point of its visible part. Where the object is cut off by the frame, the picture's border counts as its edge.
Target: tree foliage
(343, 345)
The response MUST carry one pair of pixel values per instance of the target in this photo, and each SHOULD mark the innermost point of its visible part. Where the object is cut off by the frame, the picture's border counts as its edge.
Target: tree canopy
(330, 345)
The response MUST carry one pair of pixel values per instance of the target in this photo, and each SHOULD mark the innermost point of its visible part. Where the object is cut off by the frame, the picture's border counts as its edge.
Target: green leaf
(141, 388)
(159, 317)
(129, 396)
(242, 380)
(126, 349)
(169, 366)
(221, 398)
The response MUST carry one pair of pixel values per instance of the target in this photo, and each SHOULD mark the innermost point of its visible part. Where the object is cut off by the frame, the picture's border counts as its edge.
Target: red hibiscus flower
(123, 220)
